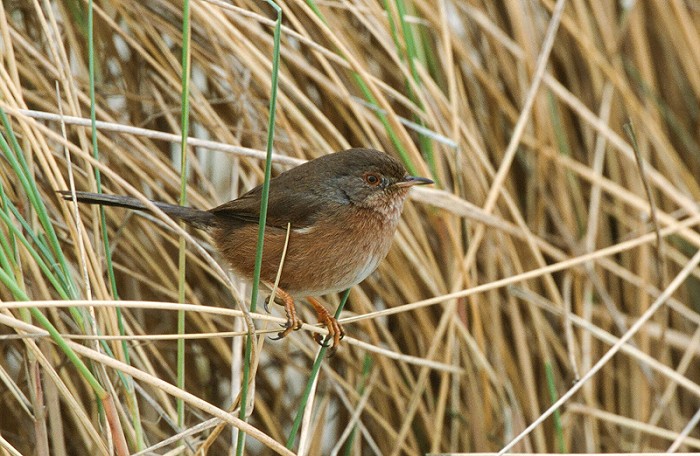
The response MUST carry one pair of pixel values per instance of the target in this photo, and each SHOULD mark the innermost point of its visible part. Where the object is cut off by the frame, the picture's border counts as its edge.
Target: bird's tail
(195, 217)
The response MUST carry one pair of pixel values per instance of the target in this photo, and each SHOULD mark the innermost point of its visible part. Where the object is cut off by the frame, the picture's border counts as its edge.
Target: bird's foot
(293, 322)
(335, 331)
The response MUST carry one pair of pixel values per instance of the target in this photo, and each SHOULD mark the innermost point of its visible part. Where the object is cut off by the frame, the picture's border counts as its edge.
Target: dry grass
(506, 284)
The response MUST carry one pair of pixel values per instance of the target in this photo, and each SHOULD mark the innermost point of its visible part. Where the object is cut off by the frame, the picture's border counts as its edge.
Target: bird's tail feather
(195, 217)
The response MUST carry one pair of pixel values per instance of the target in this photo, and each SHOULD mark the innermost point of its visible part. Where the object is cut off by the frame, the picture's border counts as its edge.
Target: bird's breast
(331, 255)
(344, 250)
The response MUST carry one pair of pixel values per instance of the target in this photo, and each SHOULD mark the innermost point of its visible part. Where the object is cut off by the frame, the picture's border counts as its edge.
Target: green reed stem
(315, 368)
(20, 295)
(240, 444)
(96, 155)
(184, 131)
(18, 163)
(558, 427)
(127, 380)
(412, 55)
(17, 234)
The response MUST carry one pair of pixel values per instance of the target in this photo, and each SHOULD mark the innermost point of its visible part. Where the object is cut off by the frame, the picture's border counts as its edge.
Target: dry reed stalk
(505, 283)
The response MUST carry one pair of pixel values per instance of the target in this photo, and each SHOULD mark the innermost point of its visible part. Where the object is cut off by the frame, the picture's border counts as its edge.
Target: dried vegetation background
(507, 282)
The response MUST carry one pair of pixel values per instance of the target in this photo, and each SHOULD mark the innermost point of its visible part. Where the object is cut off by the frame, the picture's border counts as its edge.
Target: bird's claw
(293, 324)
(335, 331)
(278, 300)
(322, 341)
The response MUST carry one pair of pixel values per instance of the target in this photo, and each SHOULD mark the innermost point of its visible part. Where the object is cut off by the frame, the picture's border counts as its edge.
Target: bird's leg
(335, 331)
(293, 322)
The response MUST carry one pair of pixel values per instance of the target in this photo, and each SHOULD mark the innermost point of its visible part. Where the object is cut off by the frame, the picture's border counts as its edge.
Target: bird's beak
(410, 181)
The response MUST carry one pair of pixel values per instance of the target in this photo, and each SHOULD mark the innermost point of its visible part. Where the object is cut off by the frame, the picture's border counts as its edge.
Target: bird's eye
(372, 179)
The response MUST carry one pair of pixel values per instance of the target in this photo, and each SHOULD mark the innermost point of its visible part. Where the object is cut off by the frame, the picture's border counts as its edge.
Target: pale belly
(354, 277)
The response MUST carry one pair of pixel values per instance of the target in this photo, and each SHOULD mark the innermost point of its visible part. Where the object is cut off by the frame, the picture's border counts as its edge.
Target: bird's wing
(300, 207)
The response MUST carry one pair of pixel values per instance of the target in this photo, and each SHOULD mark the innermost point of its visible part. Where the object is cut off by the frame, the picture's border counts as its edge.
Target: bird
(341, 209)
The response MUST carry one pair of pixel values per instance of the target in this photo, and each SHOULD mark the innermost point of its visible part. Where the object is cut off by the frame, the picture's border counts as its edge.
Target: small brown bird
(343, 209)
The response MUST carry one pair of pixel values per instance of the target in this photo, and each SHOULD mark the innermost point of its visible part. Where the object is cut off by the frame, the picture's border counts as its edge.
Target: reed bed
(544, 296)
